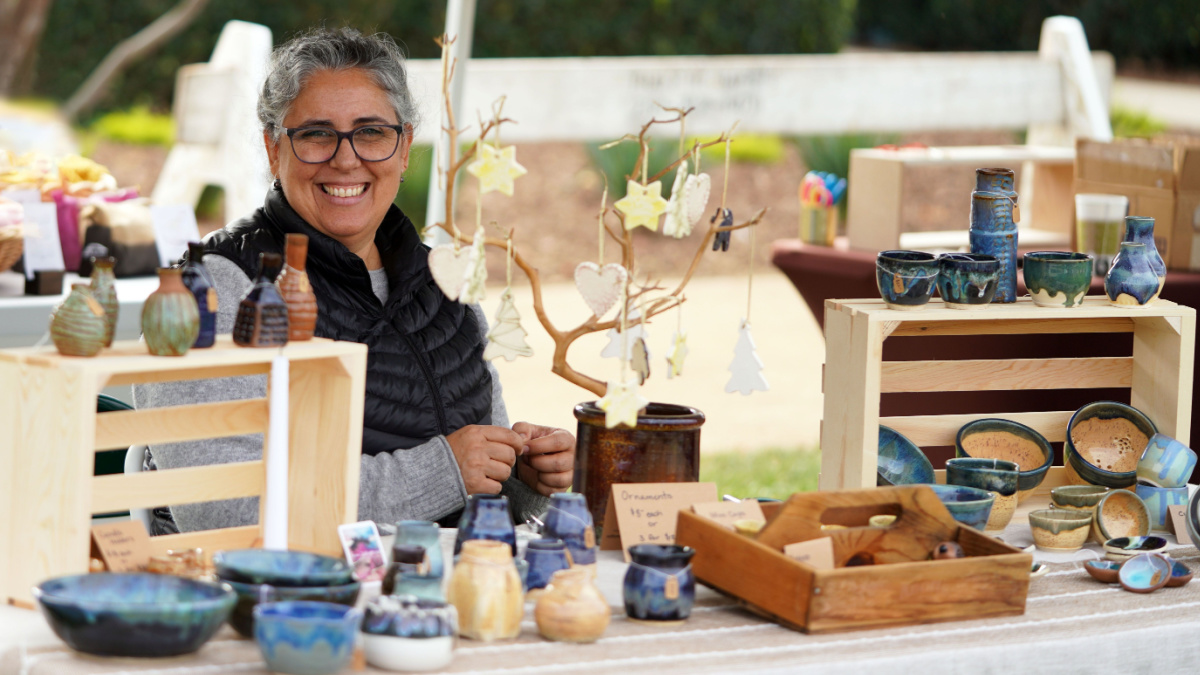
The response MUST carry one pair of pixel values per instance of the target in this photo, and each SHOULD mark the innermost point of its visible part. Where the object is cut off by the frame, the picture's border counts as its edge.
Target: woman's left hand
(547, 464)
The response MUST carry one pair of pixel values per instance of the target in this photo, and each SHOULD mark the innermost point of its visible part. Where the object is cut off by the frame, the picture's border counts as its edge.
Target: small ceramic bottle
(262, 318)
(1140, 229)
(572, 609)
(170, 317)
(568, 519)
(78, 325)
(104, 289)
(296, 291)
(406, 558)
(486, 590)
(545, 557)
(659, 584)
(486, 517)
(1131, 281)
(994, 232)
(200, 282)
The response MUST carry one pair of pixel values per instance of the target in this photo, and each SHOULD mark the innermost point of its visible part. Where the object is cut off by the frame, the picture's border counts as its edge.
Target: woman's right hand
(485, 455)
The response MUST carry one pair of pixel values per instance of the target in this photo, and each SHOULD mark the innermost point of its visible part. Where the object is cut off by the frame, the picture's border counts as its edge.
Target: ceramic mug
(659, 584)
(486, 517)
(997, 476)
(569, 520)
(1159, 500)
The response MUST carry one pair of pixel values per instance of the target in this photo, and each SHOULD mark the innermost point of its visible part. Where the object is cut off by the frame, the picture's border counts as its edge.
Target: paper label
(589, 537)
(212, 299)
(1178, 518)
(728, 513)
(816, 553)
(42, 248)
(646, 513)
(671, 589)
(174, 226)
(124, 547)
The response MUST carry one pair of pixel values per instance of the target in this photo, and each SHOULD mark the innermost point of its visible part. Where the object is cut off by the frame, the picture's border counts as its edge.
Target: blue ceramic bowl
(1011, 441)
(569, 520)
(1112, 437)
(281, 568)
(967, 280)
(1103, 570)
(409, 617)
(1180, 574)
(306, 638)
(1166, 463)
(906, 279)
(250, 595)
(993, 475)
(659, 583)
(545, 557)
(969, 506)
(1144, 573)
(1158, 500)
(133, 614)
(900, 461)
(1057, 278)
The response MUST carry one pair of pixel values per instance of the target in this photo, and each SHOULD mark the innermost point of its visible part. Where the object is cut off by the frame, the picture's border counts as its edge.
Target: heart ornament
(449, 268)
(600, 286)
(697, 190)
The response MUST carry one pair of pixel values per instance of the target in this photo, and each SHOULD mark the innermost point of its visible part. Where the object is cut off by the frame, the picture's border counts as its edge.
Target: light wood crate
(51, 432)
(1158, 373)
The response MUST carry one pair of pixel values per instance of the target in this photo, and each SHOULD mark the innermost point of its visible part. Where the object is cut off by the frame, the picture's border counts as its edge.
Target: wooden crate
(51, 432)
(901, 587)
(1158, 373)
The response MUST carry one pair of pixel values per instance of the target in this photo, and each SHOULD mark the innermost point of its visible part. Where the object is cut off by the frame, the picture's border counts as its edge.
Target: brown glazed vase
(77, 325)
(170, 317)
(262, 318)
(664, 447)
(104, 289)
(296, 291)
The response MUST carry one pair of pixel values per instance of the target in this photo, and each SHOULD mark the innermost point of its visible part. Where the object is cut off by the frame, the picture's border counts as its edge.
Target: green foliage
(620, 161)
(137, 125)
(1129, 123)
(748, 148)
(212, 204)
(414, 191)
(832, 153)
(774, 472)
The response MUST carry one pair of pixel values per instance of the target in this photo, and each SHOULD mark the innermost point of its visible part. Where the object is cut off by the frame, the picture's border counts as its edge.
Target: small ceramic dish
(1060, 530)
(1144, 573)
(306, 638)
(1180, 575)
(1166, 463)
(967, 280)
(994, 475)
(1105, 440)
(1124, 548)
(1080, 497)
(906, 279)
(1158, 502)
(1103, 570)
(281, 568)
(1120, 513)
(994, 438)
(1057, 278)
(900, 461)
(1038, 569)
(969, 506)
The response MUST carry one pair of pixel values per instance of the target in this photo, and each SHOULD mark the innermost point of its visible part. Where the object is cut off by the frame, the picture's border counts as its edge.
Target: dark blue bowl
(906, 279)
(1105, 411)
(900, 461)
(281, 568)
(134, 614)
(968, 505)
(250, 595)
(967, 280)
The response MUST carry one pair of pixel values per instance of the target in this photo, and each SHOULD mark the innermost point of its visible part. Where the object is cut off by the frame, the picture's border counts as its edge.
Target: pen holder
(818, 224)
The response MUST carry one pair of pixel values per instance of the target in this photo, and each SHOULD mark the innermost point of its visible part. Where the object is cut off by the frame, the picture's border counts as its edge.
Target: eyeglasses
(371, 143)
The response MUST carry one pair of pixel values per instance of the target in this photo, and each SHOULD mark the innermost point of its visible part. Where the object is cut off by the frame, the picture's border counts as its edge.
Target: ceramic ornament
(600, 286)
(721, 241)
(676, 223)
(697, 188)
(474, 291)
(622, 403)
(679, 351)
(496, 169)
(614, 350)
(746, 369)
(507, 337)
(640, 361)
(642, 205)
(449, 266)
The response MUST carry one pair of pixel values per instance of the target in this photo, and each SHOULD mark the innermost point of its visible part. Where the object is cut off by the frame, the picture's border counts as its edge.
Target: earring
(401, 178)
(277, 185)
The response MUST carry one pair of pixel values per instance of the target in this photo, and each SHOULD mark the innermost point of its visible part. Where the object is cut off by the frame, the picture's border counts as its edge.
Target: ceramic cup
(659, 584)
(1080, 497)
(306, 638)
(1120, 513)
(906, 279)
(969, 506)
(1105, 440)
(993, 438)
(1060, 530)
(967, 280)
(569, 520)
(1057, 278)
(1158, 501)
(1166, 463)
(994, 475)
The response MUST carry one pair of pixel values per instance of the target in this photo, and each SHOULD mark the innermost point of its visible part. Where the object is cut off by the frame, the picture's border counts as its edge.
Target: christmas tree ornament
(496, 168)
(474, 291)
(642, 205)
(620, 348)
(746, 369)
(676, 223)
(697, 188)
(640, 360)
(507, 337)
(622, 403)
(600, 286)
(679, 351)
(449, 265)
(722, 238)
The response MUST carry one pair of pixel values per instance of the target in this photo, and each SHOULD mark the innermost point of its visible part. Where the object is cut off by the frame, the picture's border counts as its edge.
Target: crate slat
(1017, 327)
(177, 486)
(1006, 374)
(941, 430)
(181, 423)
(247, 536)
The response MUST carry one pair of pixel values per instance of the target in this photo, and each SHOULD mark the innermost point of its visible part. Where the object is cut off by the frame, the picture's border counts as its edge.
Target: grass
(773, 472)
(1129, 123)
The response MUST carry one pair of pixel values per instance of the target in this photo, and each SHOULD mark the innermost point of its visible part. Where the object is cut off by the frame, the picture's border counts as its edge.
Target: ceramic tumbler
(104, 288)
(77, 324)
(906, 279)
(406, 559)
(486, 590)
(296, 290)
(1166, 462)
(967, 280)
(659, 584)
(1132, 281)
(170, 317)
(199, 281)
(545, 557)
(262, 317)
(1158, 501)
(994, 232)
(569, 520)
(424, 533)
(1140, 229)
(486, 517)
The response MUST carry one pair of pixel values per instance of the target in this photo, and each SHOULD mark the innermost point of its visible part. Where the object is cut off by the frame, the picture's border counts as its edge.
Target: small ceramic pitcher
(486, 590)
(659, 584)
(572, 609)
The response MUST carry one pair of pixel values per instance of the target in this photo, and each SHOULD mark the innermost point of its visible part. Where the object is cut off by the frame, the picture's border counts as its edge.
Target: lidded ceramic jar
(78, 325)
(659, 584)
(170, 317)
(486, 590)
(572, 609)
(1132, 281)
(200, 282)
(104, 289)
(262, 318)
(297, 291)
(569, 520)
(486, 517)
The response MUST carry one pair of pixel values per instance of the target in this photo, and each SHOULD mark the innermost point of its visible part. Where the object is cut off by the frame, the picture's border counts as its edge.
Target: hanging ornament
(615, 349)
(640, 360)
(642, 205)
(676, 223)
(449, 265)
(746, 369)
(600, 286)
(496, 168)
(697, 188)
(622, 403)
(507, 337)
(721, 240)
(679, 350)
(475, 289)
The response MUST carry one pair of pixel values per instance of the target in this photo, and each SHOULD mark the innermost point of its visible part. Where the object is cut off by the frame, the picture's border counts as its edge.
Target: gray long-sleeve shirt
(422, 483)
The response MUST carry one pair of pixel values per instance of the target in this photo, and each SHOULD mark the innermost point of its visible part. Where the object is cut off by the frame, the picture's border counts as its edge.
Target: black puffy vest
(425, 370)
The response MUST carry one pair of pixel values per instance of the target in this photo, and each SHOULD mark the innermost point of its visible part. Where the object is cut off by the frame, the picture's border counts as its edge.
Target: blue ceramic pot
(1076, 457)
(994, 438)
(486, 517)
(199, 281)
(1166, 462)
(900, 461)
(406, 559)
(134, 614)
(306, 638)
(906, 279)
(993, 232)
(1057, 278)
(996, 180)
(967, 280)
(281, 568)
(659, 584)
(569, 520)
(969, 506)
(250, 596)
(1131, 281)
(545, 557)
(424, 533)
(1140, 229)
(1158, 500)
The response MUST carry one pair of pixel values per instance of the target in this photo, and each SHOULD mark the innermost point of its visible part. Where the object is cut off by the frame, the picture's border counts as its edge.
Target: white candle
(275, 515)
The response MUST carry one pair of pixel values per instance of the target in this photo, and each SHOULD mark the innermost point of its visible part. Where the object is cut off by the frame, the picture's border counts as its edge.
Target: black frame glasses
(347, 136)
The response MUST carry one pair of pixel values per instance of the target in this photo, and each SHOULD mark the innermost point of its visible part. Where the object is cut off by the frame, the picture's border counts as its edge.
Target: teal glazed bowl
(967, 505)
(281, 568)
(1010, 441)
(901, 462)
(1081, 497)
(306, 638)
(967, 280)
(1057, 278)
(906, 279)
(1158, 501)
(1105, 441)
(993, 475)
(1166, 463)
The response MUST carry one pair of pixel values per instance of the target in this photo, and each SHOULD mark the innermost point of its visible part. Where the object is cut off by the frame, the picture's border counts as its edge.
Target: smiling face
(345, 198)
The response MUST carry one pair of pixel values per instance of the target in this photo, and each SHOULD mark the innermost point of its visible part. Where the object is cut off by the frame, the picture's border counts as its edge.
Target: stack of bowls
(993, 475)
(262, 576)
(1162, 475)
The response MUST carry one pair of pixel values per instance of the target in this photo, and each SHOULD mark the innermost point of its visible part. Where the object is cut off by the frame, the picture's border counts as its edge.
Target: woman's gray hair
(337, 49)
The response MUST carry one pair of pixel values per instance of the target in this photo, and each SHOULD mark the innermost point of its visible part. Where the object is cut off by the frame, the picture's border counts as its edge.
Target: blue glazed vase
(1131, 281)
(545, 557)
(423, 533)
(994, 232)
(306, 638)
(967, 280)
(568, 519)
(199, 281)
(486, 517)
(906, 279)
(659, 584)
(1140, 229)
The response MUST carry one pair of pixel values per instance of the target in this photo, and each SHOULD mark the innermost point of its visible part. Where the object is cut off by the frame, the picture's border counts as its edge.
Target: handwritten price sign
(646, 513)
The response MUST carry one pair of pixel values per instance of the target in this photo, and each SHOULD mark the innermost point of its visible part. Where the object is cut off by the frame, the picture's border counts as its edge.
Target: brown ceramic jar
(571, 609)
(296, 291)
(486, 590)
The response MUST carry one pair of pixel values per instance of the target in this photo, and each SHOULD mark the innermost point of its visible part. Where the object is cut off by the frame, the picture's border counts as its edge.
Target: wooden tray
(902, 588)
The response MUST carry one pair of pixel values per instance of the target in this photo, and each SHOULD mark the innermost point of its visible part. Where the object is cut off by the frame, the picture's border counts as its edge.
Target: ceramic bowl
(133, 614)
(969, 506)
(901, 462)
(1166, 463)
(1180, 575)
(250, 595)
(1060, 530)
(1103, 570)
(1120, 514)
(1144, 573)
(1105, 440)
(1004, 439)
(1192, 518)
(306, 638)
(409, 635)
(906, 279)
(994, 475)
(1124, 548)
(1081, 497)
(1057, 278)
(1158, 500)
(967, 280)
(281, 568)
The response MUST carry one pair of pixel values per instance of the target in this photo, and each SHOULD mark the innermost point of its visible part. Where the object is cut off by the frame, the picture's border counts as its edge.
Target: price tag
(42, 248)
(124, 547)
(816, 553)
(174, 226)
(728, 513)
(646, 513)
(1178, 518)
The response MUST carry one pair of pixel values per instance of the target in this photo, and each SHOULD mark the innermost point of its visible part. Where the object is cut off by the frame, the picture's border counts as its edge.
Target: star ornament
(642, 205)
(622, 403)
(496, 169)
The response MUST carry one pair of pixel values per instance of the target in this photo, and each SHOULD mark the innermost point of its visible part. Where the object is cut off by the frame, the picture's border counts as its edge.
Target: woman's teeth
(344, 191)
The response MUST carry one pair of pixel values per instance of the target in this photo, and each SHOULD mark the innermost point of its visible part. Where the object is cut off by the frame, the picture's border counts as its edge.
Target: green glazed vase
(170, 317)
(104, 289)
(78, 325)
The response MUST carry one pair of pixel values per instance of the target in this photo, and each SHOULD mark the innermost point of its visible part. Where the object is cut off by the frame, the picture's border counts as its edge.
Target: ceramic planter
(262, 318)
(77, 325)
(967, 280)
(994, 475)
(1057, 278)
(170, 317)
(423, 533)
(486, 517)
(486, 590)
(572, 609)
(199, 281)
(1132, 281)
(994, 232)
(296, 291)
(906, 279)
(569, 520)
(1140, 229)
(659, 584)
(104, 289)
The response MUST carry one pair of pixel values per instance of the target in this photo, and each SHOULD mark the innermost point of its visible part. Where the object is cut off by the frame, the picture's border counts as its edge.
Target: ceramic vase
(200, 282)
(659, 584)
(486, 590)
(1131, 281)
(486, 517)
(78, 325)
(262, 318)
(996, 180)
(994, 232)
(664, 447)
(569, 520)
(572, 609)
(170, 317)
(423, 533)
(1140, 229)
(104, 289)
(296, 291)
(544, 557)
(407, 559)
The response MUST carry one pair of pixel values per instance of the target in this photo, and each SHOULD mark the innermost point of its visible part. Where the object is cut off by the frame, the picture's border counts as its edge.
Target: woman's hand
(548, 463)
(485, 456)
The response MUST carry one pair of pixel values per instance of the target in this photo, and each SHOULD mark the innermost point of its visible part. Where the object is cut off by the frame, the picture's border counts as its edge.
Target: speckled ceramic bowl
(1124, 548)
(1060, 530)
(900, 461)
(1120, 513)
(968, 505)
(994, 475)
(1103, 570)
(994, 438)
(1105, 440)
(1145, 573)
(1080, 497)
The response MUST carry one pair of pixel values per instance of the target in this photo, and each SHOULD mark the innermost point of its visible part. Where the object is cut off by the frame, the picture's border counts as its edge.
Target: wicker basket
(12, 244)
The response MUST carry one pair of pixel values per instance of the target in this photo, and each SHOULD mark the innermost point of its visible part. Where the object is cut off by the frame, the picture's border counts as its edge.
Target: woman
(337, 120)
